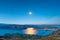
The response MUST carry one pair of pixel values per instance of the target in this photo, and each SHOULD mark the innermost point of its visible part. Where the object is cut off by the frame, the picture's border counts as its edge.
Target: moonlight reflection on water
(37, 32)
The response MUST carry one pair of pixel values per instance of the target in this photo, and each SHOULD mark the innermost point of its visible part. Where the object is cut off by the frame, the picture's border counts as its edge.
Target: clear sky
(43, 11)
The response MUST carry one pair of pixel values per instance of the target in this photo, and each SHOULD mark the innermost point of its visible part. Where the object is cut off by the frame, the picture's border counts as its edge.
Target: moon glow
(30, 13)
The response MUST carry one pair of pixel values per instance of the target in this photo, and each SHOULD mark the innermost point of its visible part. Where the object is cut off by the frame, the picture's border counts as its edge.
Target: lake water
(38, 32)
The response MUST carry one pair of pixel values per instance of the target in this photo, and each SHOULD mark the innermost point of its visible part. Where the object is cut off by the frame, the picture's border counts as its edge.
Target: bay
(38, 32)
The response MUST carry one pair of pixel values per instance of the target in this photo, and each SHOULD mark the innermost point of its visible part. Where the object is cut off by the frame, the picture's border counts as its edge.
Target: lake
(38, 32)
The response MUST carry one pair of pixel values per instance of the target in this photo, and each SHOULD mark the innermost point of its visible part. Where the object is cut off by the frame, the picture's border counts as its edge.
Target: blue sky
(43, 11)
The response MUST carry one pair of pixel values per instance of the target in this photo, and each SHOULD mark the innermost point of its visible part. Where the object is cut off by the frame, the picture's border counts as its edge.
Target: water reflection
(37, 32)
(30, 31)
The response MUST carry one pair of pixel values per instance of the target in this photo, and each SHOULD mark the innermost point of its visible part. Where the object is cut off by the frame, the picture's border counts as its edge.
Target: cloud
(54, 20)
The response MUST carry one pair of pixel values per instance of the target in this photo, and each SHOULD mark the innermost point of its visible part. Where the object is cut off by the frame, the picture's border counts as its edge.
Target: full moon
(30, 13)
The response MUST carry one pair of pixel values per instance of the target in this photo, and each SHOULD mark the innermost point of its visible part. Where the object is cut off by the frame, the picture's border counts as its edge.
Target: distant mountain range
(17, 26)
